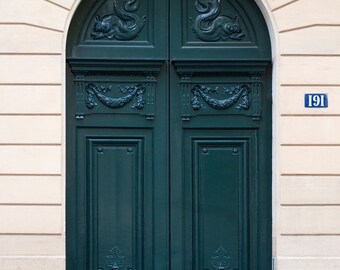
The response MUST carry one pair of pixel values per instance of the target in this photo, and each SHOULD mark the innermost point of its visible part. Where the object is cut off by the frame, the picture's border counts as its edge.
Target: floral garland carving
(203, 92)
(114, 103)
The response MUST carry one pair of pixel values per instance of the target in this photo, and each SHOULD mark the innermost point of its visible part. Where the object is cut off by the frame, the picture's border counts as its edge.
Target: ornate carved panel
(231, 28)
(130, 91)
(117, 21)
(122, 23)
(235, 93)
(210, 25)
(215, 23)
(117, 88)
(217, 88)
(120, 29)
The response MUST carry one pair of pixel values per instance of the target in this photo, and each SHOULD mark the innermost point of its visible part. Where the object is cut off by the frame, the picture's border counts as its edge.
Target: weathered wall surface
(306, 205)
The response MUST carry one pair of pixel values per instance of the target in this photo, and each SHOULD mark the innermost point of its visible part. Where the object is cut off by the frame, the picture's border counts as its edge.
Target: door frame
(274, 38)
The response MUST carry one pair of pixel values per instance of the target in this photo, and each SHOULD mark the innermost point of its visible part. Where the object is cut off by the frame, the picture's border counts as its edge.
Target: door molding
(83, 1)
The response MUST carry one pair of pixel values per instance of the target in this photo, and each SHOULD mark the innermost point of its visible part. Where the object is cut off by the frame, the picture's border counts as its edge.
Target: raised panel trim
(242, 83)
(96, 147)
(239, 146)
(90, 76)
(204, 67)
(114, 67)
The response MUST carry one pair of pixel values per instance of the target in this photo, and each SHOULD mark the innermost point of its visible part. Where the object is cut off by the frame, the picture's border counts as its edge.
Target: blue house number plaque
(316, 101)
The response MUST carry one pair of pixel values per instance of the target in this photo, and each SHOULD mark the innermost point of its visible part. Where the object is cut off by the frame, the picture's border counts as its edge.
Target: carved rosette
(209, 25)
(122, 24)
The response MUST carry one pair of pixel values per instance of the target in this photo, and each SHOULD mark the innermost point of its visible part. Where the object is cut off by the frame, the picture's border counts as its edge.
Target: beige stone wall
(307, 146)
(32, 34)
(306, 175)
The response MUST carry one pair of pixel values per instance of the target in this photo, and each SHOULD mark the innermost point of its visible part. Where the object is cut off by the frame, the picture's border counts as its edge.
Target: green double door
(168, 136)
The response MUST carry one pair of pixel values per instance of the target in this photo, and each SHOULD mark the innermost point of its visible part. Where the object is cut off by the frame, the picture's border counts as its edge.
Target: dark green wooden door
(168, 136)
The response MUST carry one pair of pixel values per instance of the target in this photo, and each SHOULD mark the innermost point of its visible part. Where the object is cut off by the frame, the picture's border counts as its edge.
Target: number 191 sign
(316, 101)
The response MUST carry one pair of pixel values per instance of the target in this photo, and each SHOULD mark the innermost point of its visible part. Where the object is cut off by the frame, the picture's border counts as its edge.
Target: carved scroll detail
(221, 259)
(115, 259)
(237, 92)
(123, 24)
(114, 103)
(80, 90)
(211, 26)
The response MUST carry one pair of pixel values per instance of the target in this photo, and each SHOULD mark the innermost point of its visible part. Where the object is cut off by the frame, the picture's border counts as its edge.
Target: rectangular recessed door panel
(216, 205)
(117, 204)
(118, 209)
(214, 226)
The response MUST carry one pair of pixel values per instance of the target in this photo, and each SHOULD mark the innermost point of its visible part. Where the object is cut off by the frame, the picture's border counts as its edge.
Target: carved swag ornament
(122, 24)
(114, 103)
(235, 93)
(211, 26)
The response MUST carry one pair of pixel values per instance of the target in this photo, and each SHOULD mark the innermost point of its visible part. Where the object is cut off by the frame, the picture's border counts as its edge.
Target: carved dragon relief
(122, 24)
(203, 92)
(211, 26)
(114, 103)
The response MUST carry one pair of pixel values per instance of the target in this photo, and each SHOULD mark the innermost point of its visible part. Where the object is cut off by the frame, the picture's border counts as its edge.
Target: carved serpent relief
(211, 26)
(123, 24)
(237, 92)
(114, 103)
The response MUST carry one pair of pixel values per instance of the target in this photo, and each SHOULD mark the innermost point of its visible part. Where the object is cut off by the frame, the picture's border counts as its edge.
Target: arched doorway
(168, 136)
